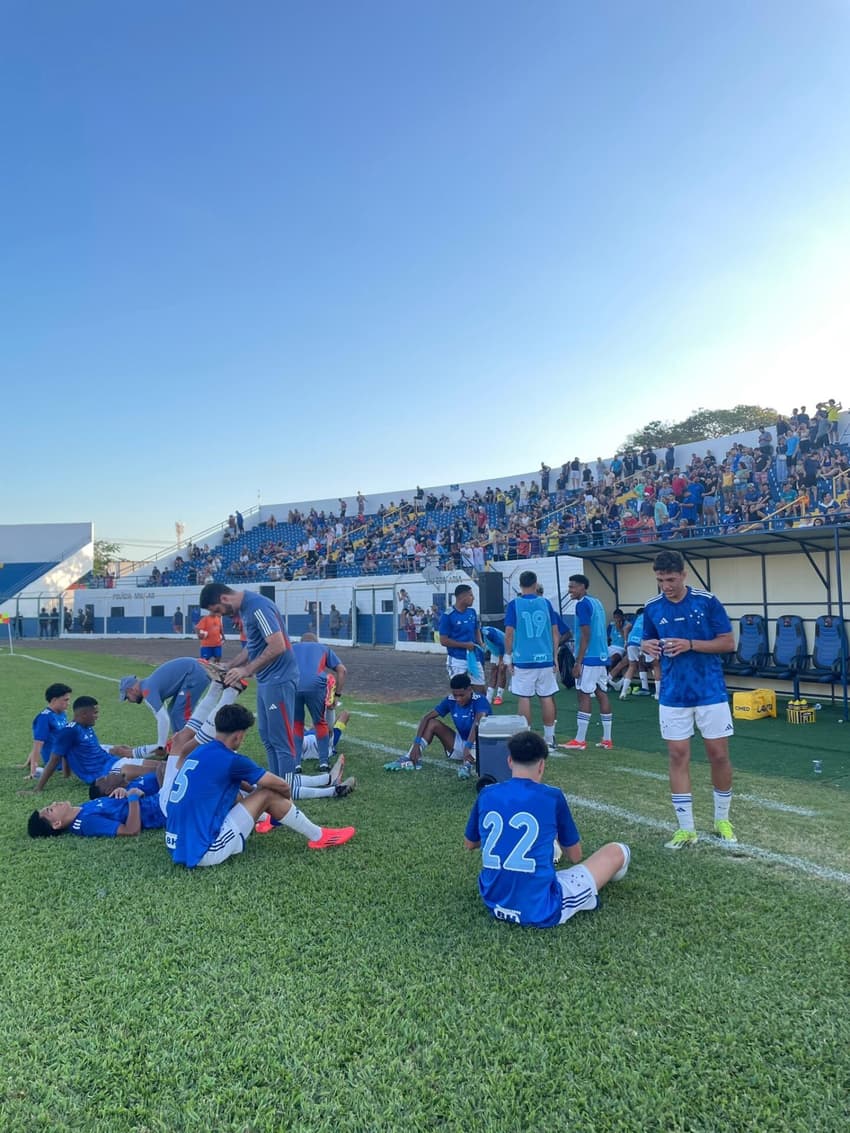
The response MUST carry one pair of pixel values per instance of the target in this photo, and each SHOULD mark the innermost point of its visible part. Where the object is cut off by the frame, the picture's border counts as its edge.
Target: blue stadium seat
(829, 655)
(753, 650)
(790, 650)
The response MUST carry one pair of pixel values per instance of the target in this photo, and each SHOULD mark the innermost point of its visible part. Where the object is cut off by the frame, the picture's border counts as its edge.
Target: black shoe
(324, 767)
(298, 769)
(345, 787)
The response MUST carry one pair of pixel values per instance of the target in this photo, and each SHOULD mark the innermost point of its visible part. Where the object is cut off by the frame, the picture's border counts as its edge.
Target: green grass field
(366, 988)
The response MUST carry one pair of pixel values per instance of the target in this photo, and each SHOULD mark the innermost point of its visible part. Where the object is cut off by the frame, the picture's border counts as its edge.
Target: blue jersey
(690, 679)
(148, 784)
(260, 619)
(45, 728)
(590, 612)
(313, 662)
(81, 747)
(463, 716)
(517, 823)
(532, 618)
(636, 632)
(183, 674)
(101, 818)
(494, 639)
(459, 625)
(205, 789)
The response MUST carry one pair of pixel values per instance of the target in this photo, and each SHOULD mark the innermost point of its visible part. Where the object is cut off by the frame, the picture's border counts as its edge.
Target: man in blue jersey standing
(494, 643)
(591, 667)
(218, 795)
(266, 655)
(532, 633)
(467, 709)
(518, 821)
(460, 636)
(688, 629)
(315, 663)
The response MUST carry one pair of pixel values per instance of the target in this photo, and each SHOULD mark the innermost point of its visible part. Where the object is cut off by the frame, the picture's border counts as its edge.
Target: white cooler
(491, 756)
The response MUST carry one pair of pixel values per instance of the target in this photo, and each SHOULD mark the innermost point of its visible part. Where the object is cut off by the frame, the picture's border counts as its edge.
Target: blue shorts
(210, 652)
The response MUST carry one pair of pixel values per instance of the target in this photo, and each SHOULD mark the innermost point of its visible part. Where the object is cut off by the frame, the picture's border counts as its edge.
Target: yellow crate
(800, 712)
(755, 705)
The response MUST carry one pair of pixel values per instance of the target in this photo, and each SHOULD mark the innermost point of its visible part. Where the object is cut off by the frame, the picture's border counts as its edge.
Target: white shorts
(230, 840)
(469, 664)
(125, 764)
(714, 721)
(534, 682)
(592, 677)
(634, 654)
(578, 892)
(459, 752)
(616, 650)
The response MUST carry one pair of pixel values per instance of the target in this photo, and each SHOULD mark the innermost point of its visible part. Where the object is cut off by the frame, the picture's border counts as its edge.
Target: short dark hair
(94, 791)
(527, 747)
(233, 718)
(460, 680)
(462, 589)
(57, 690)
(582, 579)
(617, 610)
(38, 827)
(211, 594)
(668, 562)
(527, 578)
(84, 702)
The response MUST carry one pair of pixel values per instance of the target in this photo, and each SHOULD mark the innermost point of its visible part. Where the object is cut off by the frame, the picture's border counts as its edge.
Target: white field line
(756, 800)
(801, 865)
(369, 715)
(406, 724)
(383, 749)
(67, 668)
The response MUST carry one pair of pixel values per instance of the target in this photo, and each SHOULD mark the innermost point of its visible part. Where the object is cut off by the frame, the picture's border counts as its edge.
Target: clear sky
(305, 249)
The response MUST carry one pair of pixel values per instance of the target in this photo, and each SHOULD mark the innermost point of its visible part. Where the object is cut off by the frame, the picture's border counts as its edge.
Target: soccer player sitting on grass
(86, 756)
(46, 726)
(518, 821)
(207, 821)
(124, 812)
(467, 709)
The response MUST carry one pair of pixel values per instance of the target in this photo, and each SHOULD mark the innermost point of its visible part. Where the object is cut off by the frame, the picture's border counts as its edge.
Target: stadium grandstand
(762, 517)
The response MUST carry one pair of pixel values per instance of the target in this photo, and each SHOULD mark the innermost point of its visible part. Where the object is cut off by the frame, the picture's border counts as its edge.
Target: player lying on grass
(207, 820)
(46, 726)
(124, 812)
(86, 756)
(467, 709)
(518, 821)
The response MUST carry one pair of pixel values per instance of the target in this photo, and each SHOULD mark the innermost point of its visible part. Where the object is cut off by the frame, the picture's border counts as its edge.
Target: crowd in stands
(796, 475)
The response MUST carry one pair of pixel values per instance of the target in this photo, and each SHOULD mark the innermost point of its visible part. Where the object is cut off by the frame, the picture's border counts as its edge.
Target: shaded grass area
(366, 989)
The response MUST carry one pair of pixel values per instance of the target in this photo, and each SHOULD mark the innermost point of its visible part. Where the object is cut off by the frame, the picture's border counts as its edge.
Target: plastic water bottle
(817, 766)
(817, 708)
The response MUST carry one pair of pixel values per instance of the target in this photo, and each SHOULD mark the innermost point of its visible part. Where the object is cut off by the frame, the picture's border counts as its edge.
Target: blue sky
(307, 249)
